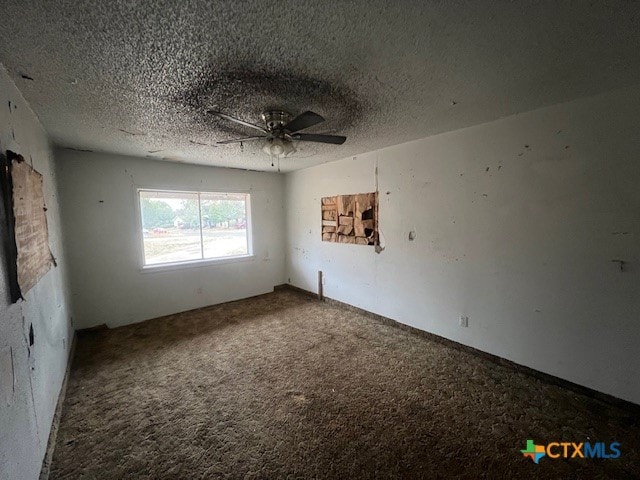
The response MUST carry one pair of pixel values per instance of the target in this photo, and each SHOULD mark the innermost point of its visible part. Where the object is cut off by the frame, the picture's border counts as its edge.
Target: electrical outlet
(464, 321)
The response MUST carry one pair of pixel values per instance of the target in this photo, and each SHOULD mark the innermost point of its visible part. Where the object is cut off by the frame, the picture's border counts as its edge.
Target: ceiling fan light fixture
(277, 147)
(289, 149)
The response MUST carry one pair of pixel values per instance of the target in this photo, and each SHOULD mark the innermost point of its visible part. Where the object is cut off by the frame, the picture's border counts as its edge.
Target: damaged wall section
(350, 219)
(36, 332)
(27, 236)
(521, 225)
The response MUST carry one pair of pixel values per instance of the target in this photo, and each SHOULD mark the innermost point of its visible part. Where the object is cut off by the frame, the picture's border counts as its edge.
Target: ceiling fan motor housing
(275, 119)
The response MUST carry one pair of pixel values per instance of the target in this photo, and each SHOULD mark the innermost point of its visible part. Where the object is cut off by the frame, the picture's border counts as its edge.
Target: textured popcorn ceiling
(135, 77)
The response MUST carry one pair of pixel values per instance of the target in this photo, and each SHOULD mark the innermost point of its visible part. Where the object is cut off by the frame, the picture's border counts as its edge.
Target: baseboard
(286, 286)
(53, 433)
(574, 387)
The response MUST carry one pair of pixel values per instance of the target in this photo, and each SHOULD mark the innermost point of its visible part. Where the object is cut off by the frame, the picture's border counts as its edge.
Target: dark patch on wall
(8, 220)
(246, 92)
(621, 263)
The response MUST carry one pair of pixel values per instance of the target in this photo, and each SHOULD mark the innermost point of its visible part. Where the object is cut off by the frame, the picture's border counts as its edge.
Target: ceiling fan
(280, 131)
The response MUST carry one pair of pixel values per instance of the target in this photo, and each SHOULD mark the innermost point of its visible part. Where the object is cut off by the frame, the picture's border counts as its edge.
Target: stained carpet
(283, 386)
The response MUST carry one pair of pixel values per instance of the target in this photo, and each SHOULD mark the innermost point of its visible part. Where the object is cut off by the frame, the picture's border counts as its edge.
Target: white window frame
(191, 263)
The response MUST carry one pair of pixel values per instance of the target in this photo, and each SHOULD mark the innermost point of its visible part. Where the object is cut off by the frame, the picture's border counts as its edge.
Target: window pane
(224, 222)
(171, 228)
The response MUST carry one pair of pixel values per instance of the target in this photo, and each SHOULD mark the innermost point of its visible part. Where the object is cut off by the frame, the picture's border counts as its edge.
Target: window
(180, 227)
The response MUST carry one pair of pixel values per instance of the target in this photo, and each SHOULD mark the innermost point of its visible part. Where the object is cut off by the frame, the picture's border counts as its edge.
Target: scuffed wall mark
(13, 372)
(29, 340)
(487, 169)
(79, 149)
(10, 109)
(499, 167)
(205, 144)
(246, 91)
(622, 264)
(131, 133)
(412, 235)
(26, 77)
(7, 376)
(620, 233)
(566, 147)
(33, 404)
(155, 151)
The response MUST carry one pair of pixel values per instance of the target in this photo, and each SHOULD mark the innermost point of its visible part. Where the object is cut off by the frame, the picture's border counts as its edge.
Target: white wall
(517, 223)
(30, 377)
(101, 234)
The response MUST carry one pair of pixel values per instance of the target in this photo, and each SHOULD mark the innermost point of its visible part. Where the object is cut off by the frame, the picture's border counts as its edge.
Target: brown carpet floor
(283, 386)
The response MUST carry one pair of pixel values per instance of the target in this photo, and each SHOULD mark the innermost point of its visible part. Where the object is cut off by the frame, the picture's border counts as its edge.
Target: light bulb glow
(276, 147)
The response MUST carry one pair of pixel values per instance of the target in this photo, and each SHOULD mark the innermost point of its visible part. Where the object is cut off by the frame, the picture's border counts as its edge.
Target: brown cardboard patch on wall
(350, 219)
(27, 236)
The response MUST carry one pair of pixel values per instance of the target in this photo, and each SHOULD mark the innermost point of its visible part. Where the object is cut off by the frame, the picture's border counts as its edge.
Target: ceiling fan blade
(236, 120)
(243, 139)
(316, 137)
(304, 120)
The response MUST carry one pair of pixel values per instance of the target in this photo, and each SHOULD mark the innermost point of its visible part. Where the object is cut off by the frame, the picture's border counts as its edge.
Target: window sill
(163, 267)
